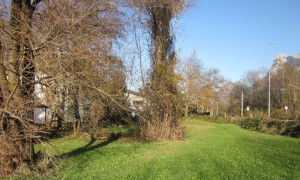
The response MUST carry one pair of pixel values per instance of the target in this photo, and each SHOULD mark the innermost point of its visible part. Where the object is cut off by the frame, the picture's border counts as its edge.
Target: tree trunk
(17, 86)
(77, 120)
(3, 80)
(186, 110)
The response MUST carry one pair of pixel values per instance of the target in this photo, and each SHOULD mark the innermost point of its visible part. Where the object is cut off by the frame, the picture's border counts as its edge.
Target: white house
(136, 102)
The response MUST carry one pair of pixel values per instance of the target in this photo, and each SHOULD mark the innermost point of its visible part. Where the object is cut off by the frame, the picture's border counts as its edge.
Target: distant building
(40, 112)
(136, 102)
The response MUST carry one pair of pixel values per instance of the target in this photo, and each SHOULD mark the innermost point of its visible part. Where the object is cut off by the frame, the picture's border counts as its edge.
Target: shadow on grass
(89, 147)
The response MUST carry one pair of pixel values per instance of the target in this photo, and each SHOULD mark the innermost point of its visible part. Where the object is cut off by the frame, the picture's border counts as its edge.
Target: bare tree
(65, 47)
(192, 73)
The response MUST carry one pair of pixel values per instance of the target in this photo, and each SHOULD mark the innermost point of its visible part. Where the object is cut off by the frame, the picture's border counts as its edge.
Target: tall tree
(59, 50)
(192, 80)
(18, 86)
(162, 93)
(77, 40)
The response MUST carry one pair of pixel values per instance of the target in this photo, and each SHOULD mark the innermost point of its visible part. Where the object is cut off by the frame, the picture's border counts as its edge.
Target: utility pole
(217, 108)
(269, 104)
(283, 90)
(283, 100)
(242, 105)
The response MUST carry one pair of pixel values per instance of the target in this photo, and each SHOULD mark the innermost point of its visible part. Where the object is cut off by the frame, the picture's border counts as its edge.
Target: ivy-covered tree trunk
(164, 99)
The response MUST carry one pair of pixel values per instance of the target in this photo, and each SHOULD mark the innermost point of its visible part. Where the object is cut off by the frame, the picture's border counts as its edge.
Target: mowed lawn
(210, 151)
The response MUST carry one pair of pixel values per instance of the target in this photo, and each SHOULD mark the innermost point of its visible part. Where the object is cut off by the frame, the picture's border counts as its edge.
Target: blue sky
(233, 35)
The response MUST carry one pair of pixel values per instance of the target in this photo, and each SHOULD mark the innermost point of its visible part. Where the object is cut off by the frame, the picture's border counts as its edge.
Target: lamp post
(269, 104)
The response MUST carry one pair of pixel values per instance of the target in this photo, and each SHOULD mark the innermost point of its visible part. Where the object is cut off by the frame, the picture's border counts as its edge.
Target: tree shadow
(292, 132)
(113, 137)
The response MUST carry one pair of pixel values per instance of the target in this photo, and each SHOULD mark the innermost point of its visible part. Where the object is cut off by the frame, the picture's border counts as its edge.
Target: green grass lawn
(210, 151)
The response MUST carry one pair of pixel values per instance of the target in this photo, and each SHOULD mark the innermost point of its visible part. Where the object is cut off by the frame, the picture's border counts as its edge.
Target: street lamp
(269, 104)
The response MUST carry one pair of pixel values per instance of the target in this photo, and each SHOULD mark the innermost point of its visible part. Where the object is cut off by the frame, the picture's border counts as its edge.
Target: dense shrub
(252, 123)
(272, 126)
(294, 131)
(261, 123)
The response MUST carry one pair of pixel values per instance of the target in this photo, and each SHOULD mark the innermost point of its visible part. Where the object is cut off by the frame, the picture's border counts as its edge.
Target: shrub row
(261, 123)
(272, 126)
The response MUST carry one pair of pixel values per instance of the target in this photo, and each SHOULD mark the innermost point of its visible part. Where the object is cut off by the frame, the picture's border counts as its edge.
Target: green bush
(274, 126)
(252, 123)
